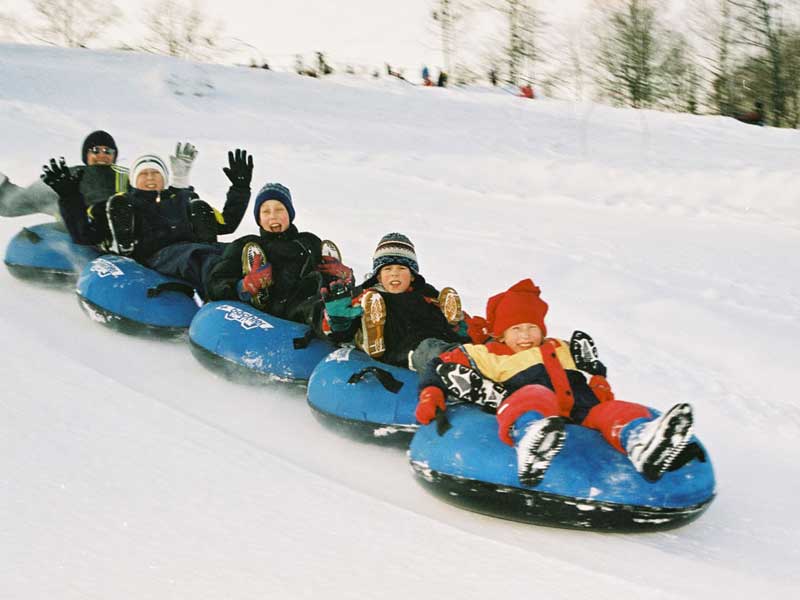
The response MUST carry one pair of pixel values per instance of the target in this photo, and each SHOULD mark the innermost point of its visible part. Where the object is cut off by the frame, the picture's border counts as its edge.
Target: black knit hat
(395, 249)
(98, 138)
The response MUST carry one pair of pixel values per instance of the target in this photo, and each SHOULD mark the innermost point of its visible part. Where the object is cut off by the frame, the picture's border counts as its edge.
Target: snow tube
(589, 484)
(247, 344)
(123, 294)
(353, 394)
(47, 254)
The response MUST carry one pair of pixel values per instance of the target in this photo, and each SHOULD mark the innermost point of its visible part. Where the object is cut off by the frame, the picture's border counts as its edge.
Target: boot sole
(249, 253)
(548, 443)
(372, 324)
(450, 305)
(658, 456)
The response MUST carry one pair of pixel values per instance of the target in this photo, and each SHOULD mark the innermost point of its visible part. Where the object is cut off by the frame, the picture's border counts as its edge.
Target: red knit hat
(520, 304)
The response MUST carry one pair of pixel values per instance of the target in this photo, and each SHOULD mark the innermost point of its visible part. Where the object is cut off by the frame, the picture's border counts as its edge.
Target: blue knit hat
(395, 249)
(273, 191)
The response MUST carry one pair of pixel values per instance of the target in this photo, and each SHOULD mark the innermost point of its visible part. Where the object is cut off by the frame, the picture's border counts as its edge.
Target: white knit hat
(149, 161)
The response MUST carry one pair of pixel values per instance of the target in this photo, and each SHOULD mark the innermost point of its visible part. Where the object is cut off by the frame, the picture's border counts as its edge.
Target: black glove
(584, 353)
(61, 180)
(240, 171)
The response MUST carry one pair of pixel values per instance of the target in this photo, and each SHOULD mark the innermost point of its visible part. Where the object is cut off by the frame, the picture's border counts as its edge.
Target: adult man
(101, 179)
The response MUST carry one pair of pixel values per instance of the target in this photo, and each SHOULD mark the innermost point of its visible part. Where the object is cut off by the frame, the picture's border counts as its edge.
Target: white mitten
(181, 164)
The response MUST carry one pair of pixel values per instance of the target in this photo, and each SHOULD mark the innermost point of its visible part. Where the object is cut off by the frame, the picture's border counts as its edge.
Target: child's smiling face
(522, 336)
(395, 279)
(273, 216)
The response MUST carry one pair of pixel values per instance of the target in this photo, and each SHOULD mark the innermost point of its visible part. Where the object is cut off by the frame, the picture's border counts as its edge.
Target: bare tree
(180, 28)
(72, 23)
(678, 83)
(521, 51)
(761, 28)
(713, 27)
(447, 14)
(627, 54)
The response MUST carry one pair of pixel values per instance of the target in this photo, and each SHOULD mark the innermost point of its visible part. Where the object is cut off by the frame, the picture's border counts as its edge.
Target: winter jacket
(294, 256)
(410, 318)
(495, 361)
(161, 218)
(98, 184)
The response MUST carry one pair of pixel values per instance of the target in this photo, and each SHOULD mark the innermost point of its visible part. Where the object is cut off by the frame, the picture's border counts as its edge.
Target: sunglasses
(102, 150)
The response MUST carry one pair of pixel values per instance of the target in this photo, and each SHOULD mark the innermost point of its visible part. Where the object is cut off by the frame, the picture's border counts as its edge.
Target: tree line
(720, 56)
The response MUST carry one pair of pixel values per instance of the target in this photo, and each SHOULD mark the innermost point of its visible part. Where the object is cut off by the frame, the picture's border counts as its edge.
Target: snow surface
(130, 471)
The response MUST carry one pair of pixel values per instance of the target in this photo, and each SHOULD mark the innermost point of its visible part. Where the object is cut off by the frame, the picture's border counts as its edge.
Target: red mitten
(258, 278)
(455, 356)
(477, 328)
(334, 269)
(601, 388)
(430, 399)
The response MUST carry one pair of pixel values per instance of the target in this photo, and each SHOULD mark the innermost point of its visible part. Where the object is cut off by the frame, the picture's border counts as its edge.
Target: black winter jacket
(294, 257)
(410, 318)
(161, 218)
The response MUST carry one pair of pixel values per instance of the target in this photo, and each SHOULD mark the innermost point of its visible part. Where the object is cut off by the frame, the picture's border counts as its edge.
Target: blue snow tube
(47, 254)
(121, 293)
(589, 484)
(247, 344)
(364, 399)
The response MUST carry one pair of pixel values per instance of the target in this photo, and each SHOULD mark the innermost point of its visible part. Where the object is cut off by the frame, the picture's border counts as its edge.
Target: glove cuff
(180, 181)
(243, 294)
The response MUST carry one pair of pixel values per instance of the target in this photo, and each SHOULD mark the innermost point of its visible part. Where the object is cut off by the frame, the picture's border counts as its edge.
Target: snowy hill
(129, 471)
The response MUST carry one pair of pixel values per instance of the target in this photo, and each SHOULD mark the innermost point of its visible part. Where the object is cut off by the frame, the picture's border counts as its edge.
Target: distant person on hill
(754, 117)
(526, 91)
(281, 270)
(165, 227)
(426, 77)
(100, 178)
(442, 81)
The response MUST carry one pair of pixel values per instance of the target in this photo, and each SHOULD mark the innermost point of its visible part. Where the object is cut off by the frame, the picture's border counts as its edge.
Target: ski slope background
(127, 470)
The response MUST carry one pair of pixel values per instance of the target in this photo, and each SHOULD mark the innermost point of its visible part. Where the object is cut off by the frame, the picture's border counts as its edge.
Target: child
(399, 317)
(542, 387)
(279, 271)
(167, 228)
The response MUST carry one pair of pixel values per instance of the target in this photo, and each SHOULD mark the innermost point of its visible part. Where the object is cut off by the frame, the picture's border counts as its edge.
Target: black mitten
(239, 169)
(60, 179)
(584, 353)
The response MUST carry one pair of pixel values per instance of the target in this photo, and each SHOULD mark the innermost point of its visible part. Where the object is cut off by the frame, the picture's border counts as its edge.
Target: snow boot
(203, 221)
(249, 253)
(370, 336)
(653, 446)
(467, 384)
(538, 441)
(331, 249)
(450, 304)
(121, 225)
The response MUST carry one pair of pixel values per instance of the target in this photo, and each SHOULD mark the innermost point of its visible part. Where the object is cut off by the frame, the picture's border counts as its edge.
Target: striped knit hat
(149, 161)
(395, 249)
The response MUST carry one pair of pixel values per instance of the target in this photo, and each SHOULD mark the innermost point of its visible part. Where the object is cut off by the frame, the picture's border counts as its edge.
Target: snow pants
(609, 417)
(189, 261)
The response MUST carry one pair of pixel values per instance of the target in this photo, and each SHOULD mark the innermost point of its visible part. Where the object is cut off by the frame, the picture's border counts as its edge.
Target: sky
(358, 32)
(129, 470)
